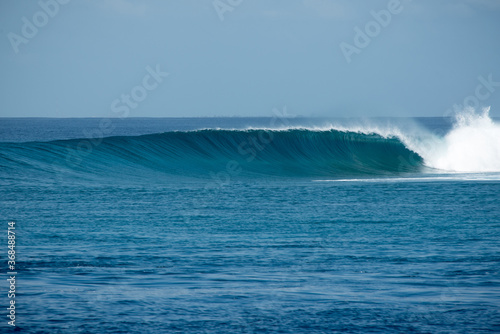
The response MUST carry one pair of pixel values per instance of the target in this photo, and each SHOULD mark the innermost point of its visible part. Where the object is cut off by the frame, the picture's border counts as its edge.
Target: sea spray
(473, 145)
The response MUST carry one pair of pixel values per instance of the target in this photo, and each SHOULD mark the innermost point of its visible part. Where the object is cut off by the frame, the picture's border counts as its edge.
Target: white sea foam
(449, 177)
(473, 145)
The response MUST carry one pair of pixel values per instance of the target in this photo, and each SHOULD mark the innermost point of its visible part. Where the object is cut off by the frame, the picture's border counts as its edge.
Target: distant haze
(126, 58)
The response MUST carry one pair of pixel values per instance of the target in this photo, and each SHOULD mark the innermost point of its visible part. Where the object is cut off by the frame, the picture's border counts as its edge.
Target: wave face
(288, 153)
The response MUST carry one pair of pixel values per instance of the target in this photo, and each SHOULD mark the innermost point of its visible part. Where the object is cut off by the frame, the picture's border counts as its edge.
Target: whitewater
(473, 145)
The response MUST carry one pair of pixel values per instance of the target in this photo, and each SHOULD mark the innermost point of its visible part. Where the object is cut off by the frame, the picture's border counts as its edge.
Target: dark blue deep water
(160, 229)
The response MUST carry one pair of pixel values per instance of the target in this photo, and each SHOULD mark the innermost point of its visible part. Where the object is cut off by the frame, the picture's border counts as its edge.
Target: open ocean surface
(253, 225)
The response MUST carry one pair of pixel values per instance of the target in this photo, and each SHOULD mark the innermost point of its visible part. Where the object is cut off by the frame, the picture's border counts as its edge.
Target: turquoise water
(298, 231)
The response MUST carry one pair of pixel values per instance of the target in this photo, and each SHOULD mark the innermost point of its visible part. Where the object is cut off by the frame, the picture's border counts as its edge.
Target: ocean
(252, 225)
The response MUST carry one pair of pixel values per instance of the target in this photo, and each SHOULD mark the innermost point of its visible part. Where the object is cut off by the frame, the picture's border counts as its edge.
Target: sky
(195, 58)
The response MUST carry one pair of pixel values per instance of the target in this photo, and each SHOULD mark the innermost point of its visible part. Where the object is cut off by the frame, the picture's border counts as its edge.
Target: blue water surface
(246, 254)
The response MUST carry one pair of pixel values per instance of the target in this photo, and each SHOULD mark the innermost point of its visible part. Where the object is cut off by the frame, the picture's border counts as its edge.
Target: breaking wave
(472, 145)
